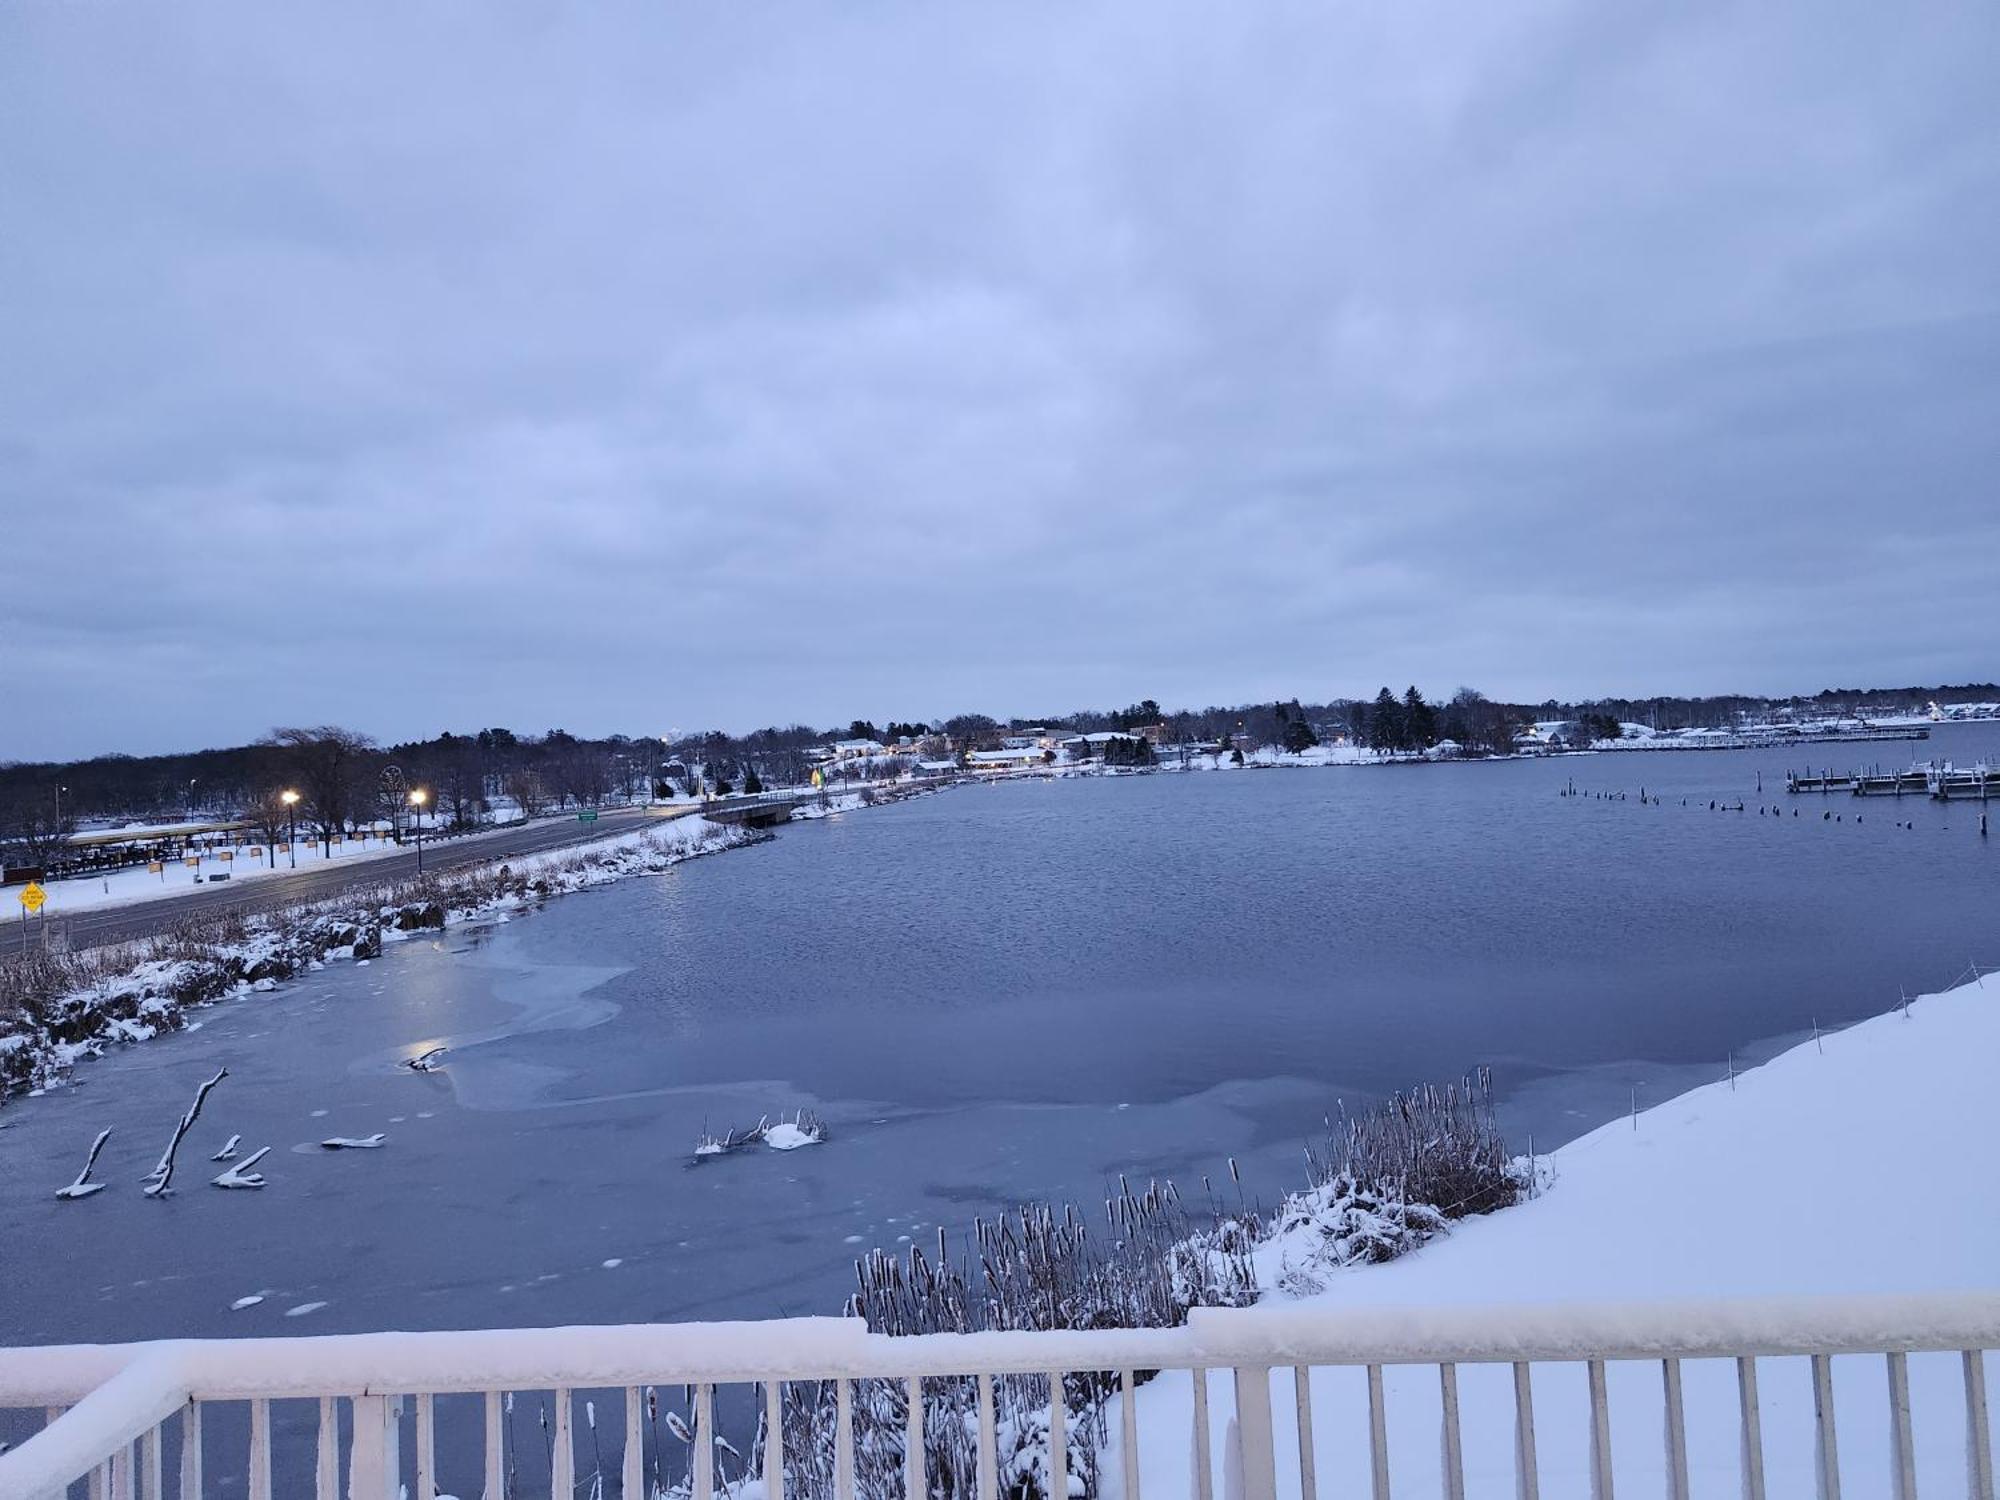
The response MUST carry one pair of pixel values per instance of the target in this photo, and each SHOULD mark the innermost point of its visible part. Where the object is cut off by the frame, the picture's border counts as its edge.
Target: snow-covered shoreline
(144, 989)
(1857, 1162)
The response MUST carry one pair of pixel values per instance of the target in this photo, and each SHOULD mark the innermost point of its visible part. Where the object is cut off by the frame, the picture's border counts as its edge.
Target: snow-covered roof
(857, 746)
(994, 757)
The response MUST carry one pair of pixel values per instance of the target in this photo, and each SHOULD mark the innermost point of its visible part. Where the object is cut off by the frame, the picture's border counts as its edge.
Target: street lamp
(291, 801)
(418, 797)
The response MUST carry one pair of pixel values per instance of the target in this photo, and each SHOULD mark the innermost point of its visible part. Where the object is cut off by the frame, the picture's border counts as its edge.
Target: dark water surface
(990, 994)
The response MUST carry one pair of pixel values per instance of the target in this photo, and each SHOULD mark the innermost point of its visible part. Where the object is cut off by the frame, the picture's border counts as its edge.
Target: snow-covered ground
(1860, 1164)
(137, 883)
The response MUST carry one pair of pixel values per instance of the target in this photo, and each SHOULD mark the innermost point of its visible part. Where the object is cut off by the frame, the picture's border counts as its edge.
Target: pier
(1943, 782)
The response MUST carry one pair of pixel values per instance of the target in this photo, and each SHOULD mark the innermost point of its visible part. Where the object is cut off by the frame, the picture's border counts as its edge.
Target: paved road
(140, 919)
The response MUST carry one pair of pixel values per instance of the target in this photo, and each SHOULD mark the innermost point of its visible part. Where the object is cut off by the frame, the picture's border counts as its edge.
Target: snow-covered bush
(1341, 1222)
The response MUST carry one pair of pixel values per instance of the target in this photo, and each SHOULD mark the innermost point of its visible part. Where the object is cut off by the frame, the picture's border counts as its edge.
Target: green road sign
(588, 815)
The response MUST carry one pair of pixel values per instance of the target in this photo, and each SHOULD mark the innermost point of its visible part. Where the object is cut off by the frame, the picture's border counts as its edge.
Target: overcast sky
(663, 366)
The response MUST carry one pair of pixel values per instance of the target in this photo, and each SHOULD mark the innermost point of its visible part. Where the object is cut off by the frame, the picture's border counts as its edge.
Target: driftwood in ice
(426, 1062)
(228, 1151)
(83, 1187)
(352, 1143)
(159, 1181)
(240, 1175)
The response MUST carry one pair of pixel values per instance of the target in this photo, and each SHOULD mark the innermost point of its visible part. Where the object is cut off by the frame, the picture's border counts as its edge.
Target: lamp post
(291, 801)
(418, 797)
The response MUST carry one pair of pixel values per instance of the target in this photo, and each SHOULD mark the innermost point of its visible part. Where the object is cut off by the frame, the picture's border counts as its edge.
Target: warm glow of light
(288, 798)
(419, 797)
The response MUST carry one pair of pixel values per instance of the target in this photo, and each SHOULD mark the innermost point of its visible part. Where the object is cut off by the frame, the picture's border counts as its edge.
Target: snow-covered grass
(1857, 1163)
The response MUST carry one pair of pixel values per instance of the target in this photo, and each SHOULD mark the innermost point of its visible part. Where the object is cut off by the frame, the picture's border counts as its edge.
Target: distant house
(852, 749)
(1000, 760)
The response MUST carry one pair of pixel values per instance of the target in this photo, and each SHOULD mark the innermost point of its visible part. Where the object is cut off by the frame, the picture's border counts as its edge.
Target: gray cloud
(651, 367)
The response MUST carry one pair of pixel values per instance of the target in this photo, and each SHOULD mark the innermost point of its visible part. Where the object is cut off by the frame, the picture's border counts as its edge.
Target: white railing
(128, 1421)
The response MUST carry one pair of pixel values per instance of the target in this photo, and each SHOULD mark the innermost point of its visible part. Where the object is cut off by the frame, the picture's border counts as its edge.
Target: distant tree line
(343, 778)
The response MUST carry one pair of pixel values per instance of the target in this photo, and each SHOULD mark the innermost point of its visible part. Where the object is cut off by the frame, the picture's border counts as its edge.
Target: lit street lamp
(418, 797)
(291, 801)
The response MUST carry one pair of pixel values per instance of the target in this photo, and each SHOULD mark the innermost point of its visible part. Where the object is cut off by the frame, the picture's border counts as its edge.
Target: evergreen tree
(1299, 735)
(1385, 723)
(751, 783)
(1419, 721)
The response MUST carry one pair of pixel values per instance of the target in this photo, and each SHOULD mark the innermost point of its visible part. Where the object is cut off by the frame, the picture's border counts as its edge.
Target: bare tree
(32, 829)
(331, 767)
(524, 785)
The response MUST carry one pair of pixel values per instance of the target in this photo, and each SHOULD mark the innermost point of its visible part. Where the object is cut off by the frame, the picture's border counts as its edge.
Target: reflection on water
(998, 993)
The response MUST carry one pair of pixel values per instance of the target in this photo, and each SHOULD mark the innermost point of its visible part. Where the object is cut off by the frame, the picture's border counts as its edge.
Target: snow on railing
(127, 1421)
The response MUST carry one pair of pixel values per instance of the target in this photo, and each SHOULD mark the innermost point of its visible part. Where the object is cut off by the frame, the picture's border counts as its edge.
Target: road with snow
(134, 920)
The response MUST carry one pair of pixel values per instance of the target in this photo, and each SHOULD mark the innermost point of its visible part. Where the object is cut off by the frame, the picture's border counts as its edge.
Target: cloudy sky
(654, 366)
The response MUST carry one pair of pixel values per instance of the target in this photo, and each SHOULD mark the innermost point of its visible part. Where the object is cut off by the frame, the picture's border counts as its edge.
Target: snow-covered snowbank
(1858, 1164)
(134, 993)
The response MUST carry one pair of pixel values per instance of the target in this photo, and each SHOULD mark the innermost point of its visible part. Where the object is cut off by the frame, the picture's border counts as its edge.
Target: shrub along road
(143, 919)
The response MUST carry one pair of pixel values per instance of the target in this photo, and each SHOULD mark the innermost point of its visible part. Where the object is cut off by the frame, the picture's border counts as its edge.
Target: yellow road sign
(32, 896)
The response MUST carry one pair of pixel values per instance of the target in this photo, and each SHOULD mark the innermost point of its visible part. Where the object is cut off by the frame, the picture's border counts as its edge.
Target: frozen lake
(997, 993)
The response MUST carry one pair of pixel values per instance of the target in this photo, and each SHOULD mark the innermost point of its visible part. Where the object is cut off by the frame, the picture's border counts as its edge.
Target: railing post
(774, 1440)
(1600, 1434)
(632, 1457)
(496, 1467)
(1527, 1466)
(326, 1461)
(704, 1442)
(1902, 1449)
(1203, 1487)
(989, 1457)
(1058, 1438)
(260, 1450)
(149, 1465)
(1826, 1447)
(1253, 1432)
(1978, 1439)
(913, 1439)
(1378, 1436)
(1451, 1449)
(1128, 1434)
(1753, 1428)
(843, 1440)
(191, 1451)
(1676, 1430)
(562, 1460)
(372, 1466)
(1308, 1458)
(426, 1448)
